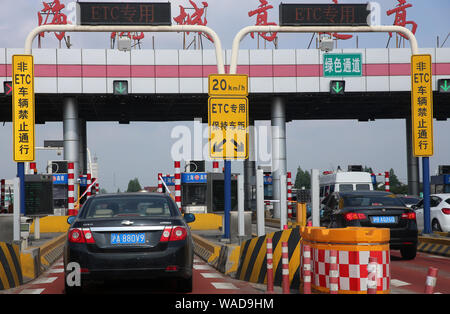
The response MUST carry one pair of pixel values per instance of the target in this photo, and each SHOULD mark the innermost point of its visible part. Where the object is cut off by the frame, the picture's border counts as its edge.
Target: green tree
(302, 179)
(134, 185)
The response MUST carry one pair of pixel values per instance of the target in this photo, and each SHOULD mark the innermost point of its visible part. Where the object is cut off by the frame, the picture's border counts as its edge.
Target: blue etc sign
(198, 177)
(60, 179)
(169, 181)
(267, 180)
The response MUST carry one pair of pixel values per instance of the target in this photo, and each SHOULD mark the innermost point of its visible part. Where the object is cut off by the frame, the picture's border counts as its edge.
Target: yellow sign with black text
(23, 108)
(228, 127)
(422, 105)
(228, 85)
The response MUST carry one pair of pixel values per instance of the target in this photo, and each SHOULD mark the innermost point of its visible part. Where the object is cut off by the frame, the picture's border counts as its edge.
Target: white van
(341, 181)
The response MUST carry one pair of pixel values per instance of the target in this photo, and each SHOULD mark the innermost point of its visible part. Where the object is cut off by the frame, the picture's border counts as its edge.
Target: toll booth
(193, 192)
(60, 194)
(441, 182)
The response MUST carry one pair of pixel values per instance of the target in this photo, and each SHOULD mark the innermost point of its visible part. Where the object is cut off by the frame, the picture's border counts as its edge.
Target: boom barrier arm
(116, 28)
(317, 29)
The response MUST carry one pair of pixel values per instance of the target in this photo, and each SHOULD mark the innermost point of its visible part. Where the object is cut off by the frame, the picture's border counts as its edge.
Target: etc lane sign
(23, 108)
(422, 105)
(228, 116)
(345, 64)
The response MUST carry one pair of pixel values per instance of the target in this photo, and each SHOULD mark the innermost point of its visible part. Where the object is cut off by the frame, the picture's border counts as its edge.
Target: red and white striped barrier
(2, 196)
(89, 186)
(334, 273)
(372, 277)
(285, 268)
(160, 185)
(289, 194)
(430, 283)
(178, 184)
(306, 269)
(71, 189)
(386, 182)
(216, 167)
(269, 266)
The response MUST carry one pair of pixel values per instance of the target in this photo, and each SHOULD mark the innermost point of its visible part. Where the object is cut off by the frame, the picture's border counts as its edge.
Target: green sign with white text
(338, 64)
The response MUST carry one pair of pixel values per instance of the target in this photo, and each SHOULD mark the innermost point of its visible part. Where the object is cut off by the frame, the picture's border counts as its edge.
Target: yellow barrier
(354, 246)
(10, 270)
(206, 222)
(52, 224)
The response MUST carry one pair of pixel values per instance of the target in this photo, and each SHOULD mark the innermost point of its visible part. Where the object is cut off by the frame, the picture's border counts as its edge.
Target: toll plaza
(232, 231)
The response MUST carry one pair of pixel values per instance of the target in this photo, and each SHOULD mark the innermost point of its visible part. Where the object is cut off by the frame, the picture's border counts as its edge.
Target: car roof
(442, 195)
(365, 193)
(126, 194)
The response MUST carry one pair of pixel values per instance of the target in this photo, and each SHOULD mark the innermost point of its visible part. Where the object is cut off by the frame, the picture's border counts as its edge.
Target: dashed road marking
(202, 267)
(224, 285)
(398, 283)
(44, 280)
(211, 275)
(31, 291)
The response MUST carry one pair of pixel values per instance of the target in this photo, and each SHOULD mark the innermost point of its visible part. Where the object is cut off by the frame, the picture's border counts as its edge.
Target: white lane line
(56, 270)
(398, 283)
(44, 280)
(211, 275)
(59, 264)
(224, 285)
(202, 267)
(31, 291)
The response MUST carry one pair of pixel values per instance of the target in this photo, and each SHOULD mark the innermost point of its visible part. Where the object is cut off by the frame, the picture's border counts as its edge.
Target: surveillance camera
(326, 44)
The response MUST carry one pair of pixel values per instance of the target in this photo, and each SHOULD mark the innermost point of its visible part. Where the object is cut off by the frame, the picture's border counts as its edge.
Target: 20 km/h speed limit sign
(228, 85)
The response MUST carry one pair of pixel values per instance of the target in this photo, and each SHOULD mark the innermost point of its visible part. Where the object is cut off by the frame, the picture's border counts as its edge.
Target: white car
(439, 212)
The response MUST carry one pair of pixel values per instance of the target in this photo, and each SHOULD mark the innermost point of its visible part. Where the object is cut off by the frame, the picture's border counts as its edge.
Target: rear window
(447, 201)
(129, 206)
(362, 187)
(345, 187)
(410, 200)
(360, 201)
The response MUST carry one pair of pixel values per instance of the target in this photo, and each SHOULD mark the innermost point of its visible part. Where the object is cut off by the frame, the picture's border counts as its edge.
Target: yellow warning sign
(228, 85)
(23, 107)
(422, 105)
(228, 127)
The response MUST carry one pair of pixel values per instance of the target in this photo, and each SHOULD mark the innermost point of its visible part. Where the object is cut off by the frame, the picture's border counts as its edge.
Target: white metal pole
(283, 202)
(241, 222)
(122, 28)
(260, 227)
(315, 198)
(16, 210)
(37, 228)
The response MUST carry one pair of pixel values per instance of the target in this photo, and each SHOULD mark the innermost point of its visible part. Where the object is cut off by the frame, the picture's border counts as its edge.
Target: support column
(83, 147)
(278, 116)
(72, 137)
(250, 169)
(412, 162)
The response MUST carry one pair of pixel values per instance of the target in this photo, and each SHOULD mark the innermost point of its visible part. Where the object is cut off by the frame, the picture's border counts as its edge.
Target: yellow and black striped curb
(224, 258)
(253, 261)
(52, 250)
(10, 270)
(432, 245)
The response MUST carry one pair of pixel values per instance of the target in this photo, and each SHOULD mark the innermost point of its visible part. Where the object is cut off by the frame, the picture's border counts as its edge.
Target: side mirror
(189, 218)
(71, 219)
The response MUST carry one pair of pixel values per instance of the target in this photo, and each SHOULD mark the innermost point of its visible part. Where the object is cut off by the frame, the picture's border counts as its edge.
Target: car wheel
(409, 252)
(185, 285)
(435, 226)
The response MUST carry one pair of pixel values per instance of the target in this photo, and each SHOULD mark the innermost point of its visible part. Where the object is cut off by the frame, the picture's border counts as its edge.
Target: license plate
(383, 220)
(127, 238)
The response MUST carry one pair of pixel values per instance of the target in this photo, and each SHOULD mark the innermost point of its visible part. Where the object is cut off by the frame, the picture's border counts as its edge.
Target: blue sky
(311, 144)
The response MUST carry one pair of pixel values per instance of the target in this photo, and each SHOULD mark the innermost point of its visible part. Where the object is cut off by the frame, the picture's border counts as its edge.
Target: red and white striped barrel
(285, 268)
(386, 181)
(306, 269)
(216, 167)
(2, 195)
(97, 187)
(334, 273)
(71, 189)
(160, 189)
(269, 266)
(178, 184)
(88, 184)
(289, 193)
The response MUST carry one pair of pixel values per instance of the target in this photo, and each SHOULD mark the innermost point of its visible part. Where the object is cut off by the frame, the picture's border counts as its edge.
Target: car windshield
(129, 206)
(410, 200)
(447, 201)
(365, 200)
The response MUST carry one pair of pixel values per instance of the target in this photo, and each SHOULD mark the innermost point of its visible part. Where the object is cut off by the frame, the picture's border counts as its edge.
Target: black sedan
(373, 209)
(128, 236)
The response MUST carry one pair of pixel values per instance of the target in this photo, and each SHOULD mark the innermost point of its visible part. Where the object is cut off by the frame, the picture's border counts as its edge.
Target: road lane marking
(224, 285)
(202, 267)
(56, 270)
(31, 291)
(398, 283)
(211, 275)
(44, 280)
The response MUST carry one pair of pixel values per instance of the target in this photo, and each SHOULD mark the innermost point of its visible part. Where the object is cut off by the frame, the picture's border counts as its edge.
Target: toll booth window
(345, 187)
(362, 187)
(60, 196)
(194, 194)
(268, 191)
